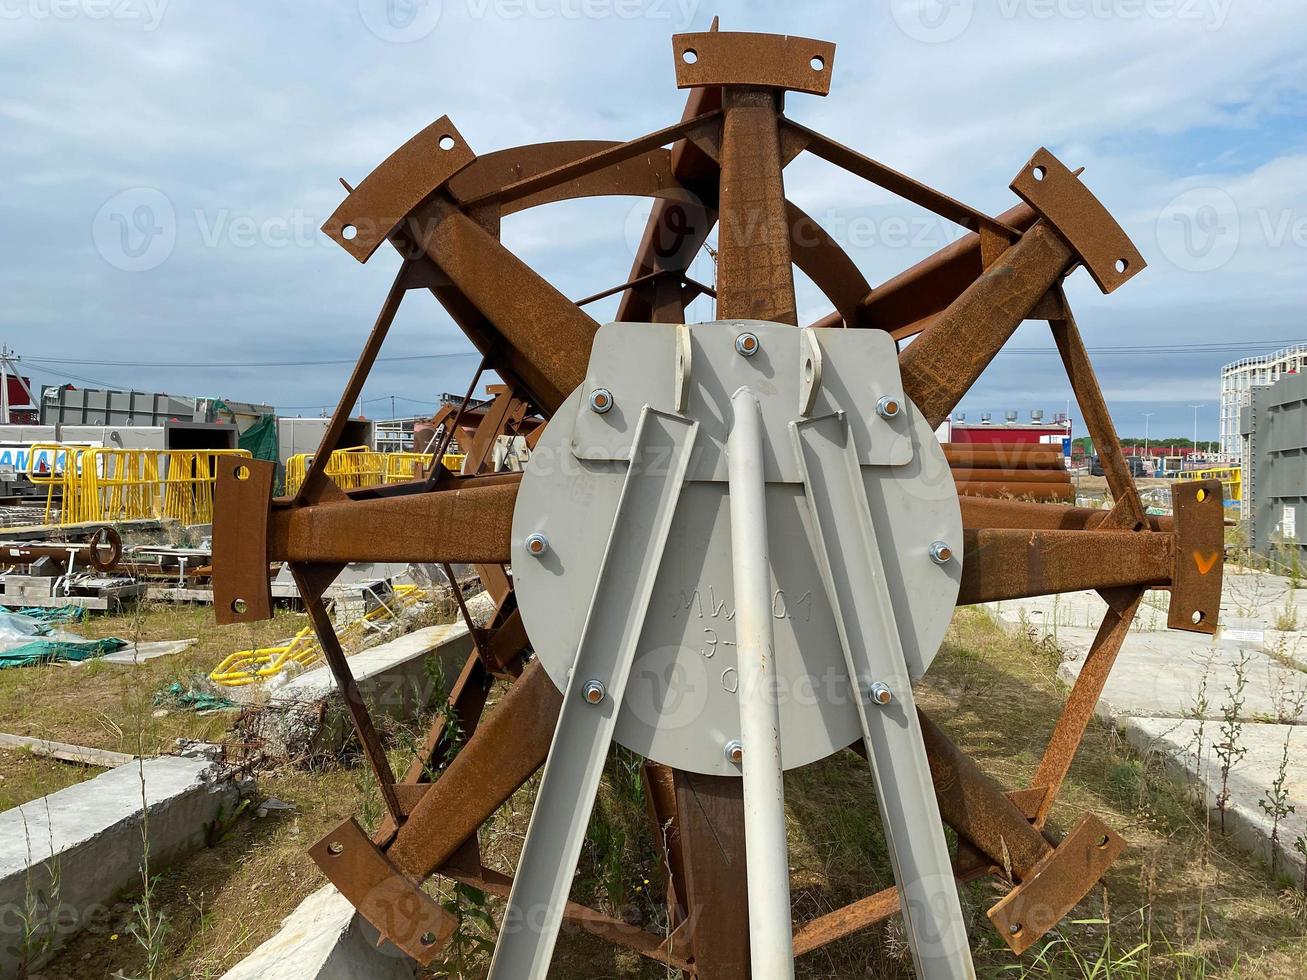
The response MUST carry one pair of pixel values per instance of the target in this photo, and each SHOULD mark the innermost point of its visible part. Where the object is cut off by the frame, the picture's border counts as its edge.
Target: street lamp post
(1195, 440)
(1147, 458)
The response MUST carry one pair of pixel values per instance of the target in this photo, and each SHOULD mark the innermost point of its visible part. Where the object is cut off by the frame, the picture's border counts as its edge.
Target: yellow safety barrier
(250, 666)
(1231, 478)
(359, 466)
(97, 484)
(401, 467)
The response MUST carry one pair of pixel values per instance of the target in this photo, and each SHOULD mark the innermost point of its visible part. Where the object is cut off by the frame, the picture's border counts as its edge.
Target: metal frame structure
(440, 206)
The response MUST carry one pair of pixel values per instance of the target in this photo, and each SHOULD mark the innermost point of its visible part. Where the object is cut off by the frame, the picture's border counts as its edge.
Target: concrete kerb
(1177, 743)
(324, 939)
(1167, 686)
(65, 858)
(305, 717)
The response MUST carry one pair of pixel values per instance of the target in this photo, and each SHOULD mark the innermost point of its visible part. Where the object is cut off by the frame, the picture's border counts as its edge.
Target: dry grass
(111, 706)
(24, 776)
(1209, 911)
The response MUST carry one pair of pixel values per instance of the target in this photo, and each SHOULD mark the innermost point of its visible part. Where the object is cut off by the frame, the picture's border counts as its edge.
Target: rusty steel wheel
(834, 390)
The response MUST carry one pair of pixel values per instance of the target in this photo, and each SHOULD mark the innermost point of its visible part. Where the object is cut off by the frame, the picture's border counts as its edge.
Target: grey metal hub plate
(680, 705)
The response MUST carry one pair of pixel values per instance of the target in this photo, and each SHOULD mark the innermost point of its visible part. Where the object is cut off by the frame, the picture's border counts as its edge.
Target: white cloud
(253, 109)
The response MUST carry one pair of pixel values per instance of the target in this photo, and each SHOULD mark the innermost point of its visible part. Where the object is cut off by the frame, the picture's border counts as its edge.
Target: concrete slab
(64, 858)
(1161, 675)
(138, 653)
(323, 939)
(393, 678)
(1251, 779)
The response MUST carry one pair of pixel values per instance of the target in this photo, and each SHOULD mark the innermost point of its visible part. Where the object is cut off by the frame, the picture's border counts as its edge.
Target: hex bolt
(940, 553)
(536, 544)
(747, 344)
(888, 407)
(734, 752)
(880, 693)
(593, 692)
(601, 400)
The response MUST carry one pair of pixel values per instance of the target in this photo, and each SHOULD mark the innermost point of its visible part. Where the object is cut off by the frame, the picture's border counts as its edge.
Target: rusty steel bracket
(242, 501)
(401, 912)
(1049, 186)
(782, 61)
(389, 194)
(1199, 556)
(1057, 884)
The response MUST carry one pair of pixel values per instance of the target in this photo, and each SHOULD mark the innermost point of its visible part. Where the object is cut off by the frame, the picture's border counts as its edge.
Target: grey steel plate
(680, 705)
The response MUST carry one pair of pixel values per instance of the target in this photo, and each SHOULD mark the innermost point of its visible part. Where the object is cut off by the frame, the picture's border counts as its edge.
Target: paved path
(1168, 692)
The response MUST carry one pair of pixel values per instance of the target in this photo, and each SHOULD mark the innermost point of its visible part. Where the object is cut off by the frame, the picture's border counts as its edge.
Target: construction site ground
(1182, 901)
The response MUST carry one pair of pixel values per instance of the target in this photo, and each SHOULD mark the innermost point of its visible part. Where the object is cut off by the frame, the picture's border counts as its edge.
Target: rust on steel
(242, 591)
(1014, 563)
(398, 909)
(722, 166)
(736, 59)
(1199, 556)
(388, 195)
(1038, 903)
(1048, 186)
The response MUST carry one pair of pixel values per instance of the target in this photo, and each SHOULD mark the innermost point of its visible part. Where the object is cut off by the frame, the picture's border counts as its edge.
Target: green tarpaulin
(50, 651)
(261, 439)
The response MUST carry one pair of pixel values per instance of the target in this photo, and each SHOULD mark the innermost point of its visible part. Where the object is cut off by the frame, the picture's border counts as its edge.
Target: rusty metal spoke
(1002, 563)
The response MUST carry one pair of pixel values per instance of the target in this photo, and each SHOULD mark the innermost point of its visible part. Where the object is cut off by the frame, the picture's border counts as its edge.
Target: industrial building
(1237, 383)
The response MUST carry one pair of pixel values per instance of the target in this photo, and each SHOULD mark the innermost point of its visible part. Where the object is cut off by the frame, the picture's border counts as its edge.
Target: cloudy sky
(167, 164)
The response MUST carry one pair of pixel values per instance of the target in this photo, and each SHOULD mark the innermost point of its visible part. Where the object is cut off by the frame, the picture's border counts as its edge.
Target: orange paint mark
(1206, 563)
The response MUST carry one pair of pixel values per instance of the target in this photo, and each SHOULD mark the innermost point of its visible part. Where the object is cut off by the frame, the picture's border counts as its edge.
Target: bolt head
(748, 344)
(734, 752)
(880, 693)
(940, 553)
(601, 400)
(593, 692)
(536, 544)
(888, 407)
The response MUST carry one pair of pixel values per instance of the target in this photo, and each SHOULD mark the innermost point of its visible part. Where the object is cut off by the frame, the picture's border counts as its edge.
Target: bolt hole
(818, 63)
(1103, 842)
(1015, 928)
(807, 371)
(690, 56)
(1040, 173)
(428, 939)
(335, 848)
(349, 233)
(242, 472)
(239, 605)
(1201, 495)
(447, 143)
(1122, 265)
(1197, 617)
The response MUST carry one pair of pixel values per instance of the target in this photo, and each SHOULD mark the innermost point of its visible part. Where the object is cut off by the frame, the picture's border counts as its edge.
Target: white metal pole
(766, 851)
